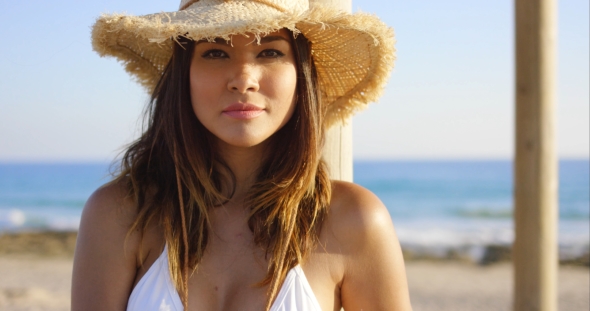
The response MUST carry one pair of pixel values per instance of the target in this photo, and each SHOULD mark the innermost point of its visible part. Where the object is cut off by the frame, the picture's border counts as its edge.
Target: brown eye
(271, 53)
(213, 54)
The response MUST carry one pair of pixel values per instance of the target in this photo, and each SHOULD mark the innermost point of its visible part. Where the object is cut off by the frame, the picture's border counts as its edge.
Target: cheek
(196, 91)
(291, 80)
(198, 84)
(292, 90)
(284, 86)
(202, 91)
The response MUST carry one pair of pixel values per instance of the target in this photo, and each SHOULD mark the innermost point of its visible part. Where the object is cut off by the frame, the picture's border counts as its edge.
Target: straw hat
(353, 53)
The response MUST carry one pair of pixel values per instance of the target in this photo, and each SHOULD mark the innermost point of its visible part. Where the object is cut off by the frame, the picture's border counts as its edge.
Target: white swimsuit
(156, 292)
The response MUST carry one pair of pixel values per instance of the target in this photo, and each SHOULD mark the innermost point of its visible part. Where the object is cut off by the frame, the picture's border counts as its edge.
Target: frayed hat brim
(353, 53)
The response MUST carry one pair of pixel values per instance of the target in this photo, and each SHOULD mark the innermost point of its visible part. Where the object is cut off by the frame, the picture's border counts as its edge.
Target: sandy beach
(35, 272)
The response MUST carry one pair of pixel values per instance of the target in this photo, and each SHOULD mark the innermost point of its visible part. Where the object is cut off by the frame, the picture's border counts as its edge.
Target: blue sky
(450, 94)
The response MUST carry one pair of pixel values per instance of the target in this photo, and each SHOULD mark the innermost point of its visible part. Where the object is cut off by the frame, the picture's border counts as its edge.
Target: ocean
(443, 207)
(436, 206)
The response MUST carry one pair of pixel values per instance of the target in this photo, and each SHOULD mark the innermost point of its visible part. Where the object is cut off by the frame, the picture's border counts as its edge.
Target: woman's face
(241, 91)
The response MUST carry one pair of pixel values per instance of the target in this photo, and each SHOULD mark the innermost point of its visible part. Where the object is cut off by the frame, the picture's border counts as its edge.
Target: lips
(242, 111)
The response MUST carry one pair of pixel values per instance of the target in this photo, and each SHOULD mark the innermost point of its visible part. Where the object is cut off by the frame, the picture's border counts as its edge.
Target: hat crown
(281, 5)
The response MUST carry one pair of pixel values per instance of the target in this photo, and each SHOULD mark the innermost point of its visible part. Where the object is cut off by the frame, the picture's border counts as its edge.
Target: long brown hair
(176, 175)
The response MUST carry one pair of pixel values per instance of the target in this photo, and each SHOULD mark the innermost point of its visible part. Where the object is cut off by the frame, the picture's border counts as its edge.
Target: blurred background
(437, 148)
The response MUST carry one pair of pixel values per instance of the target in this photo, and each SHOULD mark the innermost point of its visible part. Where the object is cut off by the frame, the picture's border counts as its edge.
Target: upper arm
(105, 263)
(374, 272)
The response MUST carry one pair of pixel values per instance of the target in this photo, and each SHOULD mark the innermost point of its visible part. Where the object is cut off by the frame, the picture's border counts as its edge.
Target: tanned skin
(357, 264)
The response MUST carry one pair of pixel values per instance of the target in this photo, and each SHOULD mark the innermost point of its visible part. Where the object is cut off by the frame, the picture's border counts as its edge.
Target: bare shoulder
(111, 206)
(108, 213)
(105, 260)
(374, 274)
(357, 214)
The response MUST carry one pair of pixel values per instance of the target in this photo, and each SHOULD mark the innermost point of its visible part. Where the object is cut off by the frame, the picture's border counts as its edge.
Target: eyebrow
(266, 39)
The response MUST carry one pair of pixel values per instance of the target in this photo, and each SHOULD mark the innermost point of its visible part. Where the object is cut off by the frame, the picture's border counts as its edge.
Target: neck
(244, 163)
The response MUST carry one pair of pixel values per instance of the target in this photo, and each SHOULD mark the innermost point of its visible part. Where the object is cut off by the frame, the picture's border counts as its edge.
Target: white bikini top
(156, 292)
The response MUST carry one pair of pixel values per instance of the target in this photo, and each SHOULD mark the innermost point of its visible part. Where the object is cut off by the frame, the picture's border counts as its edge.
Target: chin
(243, 141)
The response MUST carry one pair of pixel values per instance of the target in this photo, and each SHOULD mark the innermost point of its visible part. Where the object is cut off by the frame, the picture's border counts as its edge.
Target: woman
(224, 202)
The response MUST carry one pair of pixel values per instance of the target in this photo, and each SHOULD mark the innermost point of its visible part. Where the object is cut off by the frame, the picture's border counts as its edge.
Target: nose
(244, 79)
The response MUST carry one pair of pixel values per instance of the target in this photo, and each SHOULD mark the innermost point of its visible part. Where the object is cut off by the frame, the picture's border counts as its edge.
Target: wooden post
(338, 151)
(535, 170)
(338, 146)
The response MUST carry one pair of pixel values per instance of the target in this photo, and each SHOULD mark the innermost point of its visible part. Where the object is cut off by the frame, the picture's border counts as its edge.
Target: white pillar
(338, 151)
(338, 146)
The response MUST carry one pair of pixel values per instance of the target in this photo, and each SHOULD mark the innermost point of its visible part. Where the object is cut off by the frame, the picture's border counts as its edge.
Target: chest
(229, 274)
(228, 277)
(230, 280)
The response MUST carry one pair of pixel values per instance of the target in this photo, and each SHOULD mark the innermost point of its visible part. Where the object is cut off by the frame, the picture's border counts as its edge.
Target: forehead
(249, 38)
